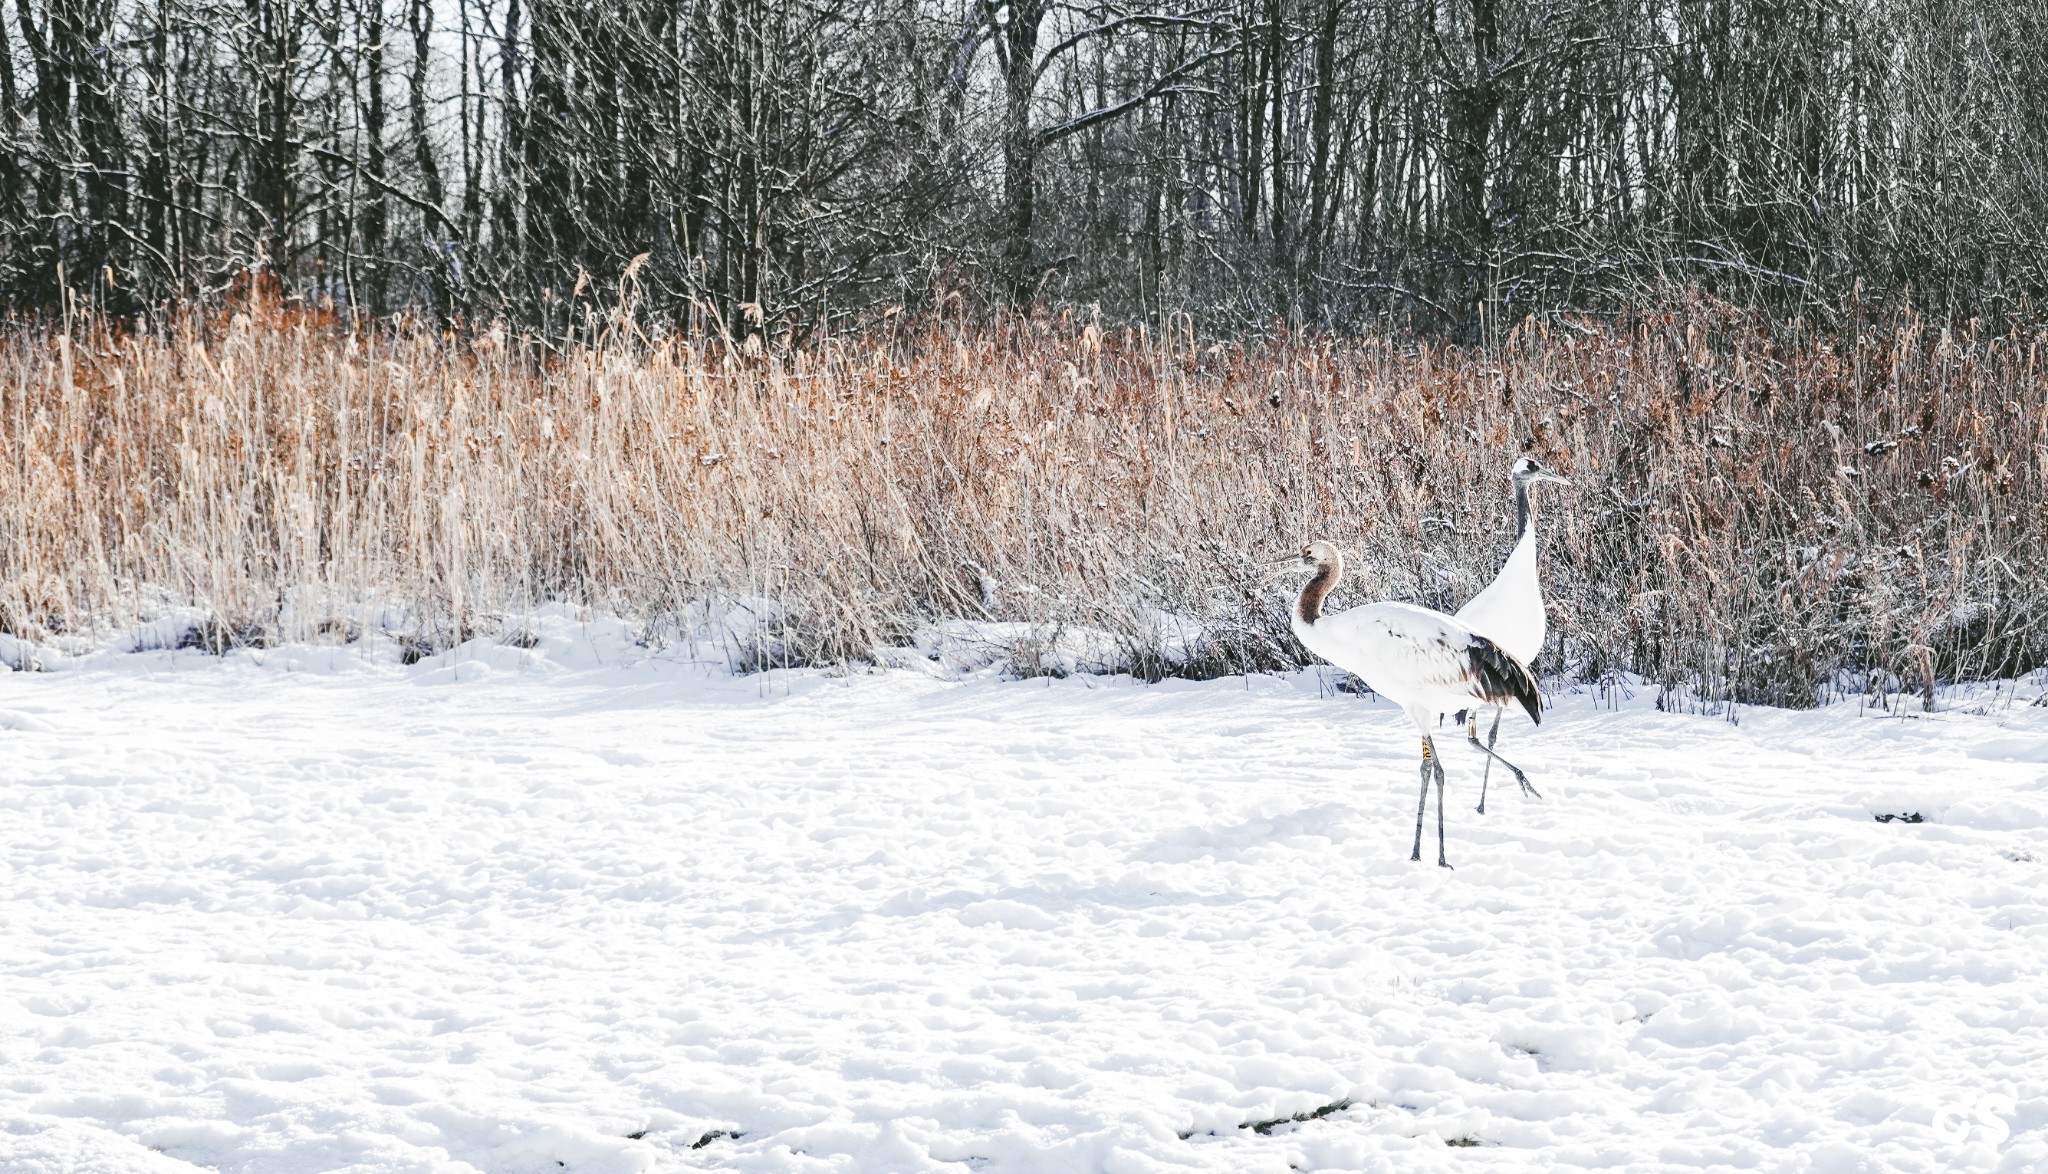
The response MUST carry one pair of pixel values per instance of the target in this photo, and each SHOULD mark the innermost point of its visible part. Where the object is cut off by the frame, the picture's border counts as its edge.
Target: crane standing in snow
(1510, 612)
(1424, 661)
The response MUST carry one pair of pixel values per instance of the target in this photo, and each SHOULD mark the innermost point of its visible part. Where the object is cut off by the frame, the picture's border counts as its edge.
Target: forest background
(881, 314)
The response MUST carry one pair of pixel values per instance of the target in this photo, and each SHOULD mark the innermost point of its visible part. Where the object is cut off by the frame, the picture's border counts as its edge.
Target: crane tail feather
(1499, 678)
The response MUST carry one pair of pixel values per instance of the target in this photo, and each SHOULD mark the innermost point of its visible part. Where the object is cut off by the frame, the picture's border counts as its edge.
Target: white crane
(1510, 611)
(1424, 661)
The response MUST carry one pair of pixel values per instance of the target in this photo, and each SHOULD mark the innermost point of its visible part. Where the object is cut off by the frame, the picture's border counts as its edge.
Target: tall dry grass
(1756, 517)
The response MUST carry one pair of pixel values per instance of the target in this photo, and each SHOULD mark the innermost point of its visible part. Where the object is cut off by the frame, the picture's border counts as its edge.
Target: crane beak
(1547, 475)
(1280, 566)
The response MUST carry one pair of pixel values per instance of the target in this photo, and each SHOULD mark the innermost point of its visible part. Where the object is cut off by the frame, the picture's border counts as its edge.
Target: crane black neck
(1309, 608)
(1521, 509)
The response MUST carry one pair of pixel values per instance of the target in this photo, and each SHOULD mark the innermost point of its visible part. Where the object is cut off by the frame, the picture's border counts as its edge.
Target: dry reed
(1756, 516)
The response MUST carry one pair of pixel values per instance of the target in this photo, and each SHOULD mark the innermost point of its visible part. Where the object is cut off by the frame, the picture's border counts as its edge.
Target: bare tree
(1454, 165)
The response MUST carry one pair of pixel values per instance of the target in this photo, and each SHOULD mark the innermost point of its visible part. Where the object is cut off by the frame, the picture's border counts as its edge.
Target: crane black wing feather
(1500, 678)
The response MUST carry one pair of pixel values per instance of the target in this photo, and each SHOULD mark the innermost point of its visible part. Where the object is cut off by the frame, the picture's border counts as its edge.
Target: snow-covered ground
(505, 911)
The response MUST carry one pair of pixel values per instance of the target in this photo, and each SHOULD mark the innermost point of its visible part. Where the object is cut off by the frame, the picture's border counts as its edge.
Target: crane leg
(1472, 732)
(1421, 806)
(1491, 736)
(1440, 861)
(1486, 748)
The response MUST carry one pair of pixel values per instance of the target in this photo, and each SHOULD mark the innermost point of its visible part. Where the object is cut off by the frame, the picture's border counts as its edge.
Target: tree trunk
(1474, 105)
(1020, 145)
(1321, 124)
(376, 216)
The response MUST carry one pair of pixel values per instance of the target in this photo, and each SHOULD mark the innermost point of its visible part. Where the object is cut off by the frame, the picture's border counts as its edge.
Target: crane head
(1529, 471)
(1312, 556)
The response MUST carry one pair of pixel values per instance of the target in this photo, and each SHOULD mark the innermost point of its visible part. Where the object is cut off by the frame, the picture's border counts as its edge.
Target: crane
(1510, 611)
(1422, 660)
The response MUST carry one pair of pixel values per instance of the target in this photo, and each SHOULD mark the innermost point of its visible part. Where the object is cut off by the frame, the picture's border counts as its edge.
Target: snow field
(525, 911)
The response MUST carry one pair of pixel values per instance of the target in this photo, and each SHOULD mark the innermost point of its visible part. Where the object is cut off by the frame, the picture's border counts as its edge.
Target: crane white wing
(1413, 655)
(1510, 610)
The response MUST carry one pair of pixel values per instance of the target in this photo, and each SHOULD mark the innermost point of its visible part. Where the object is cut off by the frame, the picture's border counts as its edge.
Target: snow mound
(36, 1143)
(955, 647)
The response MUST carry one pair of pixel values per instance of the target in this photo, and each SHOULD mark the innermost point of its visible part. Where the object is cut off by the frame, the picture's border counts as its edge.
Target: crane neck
(1309, 608)
(1521, 510)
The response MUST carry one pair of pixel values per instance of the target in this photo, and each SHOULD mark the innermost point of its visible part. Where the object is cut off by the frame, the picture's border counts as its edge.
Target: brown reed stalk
(1759, 515)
